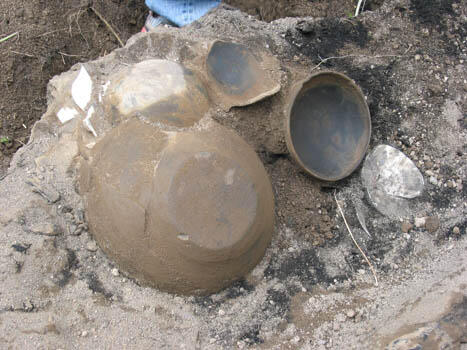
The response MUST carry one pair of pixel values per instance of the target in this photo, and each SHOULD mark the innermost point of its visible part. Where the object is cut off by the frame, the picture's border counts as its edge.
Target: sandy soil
(312, 290)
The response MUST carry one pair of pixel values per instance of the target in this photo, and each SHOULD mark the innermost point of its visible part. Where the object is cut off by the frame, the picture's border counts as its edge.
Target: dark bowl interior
(329, 126)
(232, 66)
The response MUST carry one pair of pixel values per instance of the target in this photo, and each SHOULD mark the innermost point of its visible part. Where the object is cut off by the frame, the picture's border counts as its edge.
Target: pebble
(45, 190)
(406, 226)
(77, 231)
(84, 333)
(432, 224)
(351, 314)
(433, 180)
(456, 230)
(221, 312)
(44, 229)
(115, 272)
(295, 340)
(417, 57)
(91, 246)
(420, 222)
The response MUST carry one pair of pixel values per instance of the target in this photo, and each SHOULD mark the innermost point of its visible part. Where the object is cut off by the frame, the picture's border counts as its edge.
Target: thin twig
(8, 37)
(108, 25)
(22, 53)
(68, 55)
(48, 33)
(353, 239)
(357, 10)
(324, 60)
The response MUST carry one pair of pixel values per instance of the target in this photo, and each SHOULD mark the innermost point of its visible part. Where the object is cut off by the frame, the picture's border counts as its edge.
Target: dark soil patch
(268, 11)
(324, 38)
(96, 285)
(306, 266)
(431, 12)
(51, 37)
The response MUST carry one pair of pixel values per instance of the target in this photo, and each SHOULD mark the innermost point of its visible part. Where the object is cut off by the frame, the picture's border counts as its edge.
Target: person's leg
(181, 12)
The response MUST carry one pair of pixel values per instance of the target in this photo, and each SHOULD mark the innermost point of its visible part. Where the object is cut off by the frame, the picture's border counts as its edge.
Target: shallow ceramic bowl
(328, 125)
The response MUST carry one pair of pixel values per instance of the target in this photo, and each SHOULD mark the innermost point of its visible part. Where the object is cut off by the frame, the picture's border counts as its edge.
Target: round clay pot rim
(295, 90)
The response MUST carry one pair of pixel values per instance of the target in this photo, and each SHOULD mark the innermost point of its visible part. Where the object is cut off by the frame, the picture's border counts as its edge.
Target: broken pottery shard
(391, 179)
(66, 114)
(161, 91)
(82, 88)
(87, 121)
(237, 77)
(189, 212)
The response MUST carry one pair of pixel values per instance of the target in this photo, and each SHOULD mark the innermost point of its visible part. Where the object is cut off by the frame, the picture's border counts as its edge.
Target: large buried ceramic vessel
(188, 212)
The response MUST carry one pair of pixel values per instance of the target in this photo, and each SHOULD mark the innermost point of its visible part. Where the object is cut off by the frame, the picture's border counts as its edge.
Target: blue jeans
(181, 12)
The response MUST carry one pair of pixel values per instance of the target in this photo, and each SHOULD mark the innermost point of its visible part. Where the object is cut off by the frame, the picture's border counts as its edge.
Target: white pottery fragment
(82, 88)
(66, 114)
(390, 179)
(87, 121)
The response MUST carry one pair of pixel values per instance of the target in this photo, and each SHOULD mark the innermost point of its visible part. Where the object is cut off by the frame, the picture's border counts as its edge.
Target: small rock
(456, 230)
(433, 180)
(84, 333)
(45, 190)
(391, 178)
(115, 272)
(241, 344)
(420, 222)
(295, 340)
(91, 246)
(417, 57)
(22, 248)
(306, 27)
(432, 224)
(406, 226)
(351, 314)
(77, 231)
(221, 312)
(46, 229)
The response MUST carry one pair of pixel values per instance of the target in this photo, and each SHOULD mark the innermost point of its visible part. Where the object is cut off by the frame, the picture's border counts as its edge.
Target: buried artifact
(182, 203)
(189, 212)
(177, 200)
(238, 76)
(328, 125)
